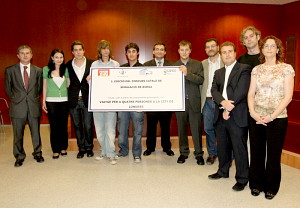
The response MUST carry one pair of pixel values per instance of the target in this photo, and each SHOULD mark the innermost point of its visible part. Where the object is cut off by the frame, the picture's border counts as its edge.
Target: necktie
(26, 79)
(159, 63)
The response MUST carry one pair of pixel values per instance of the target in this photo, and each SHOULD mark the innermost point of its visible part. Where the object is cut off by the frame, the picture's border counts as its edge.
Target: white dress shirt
(79, 71)
(228, 70)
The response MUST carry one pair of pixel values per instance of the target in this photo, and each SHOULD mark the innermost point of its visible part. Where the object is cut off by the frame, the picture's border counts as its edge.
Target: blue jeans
(208, 113)
(83, 121)
(105, 125)
(123, 125)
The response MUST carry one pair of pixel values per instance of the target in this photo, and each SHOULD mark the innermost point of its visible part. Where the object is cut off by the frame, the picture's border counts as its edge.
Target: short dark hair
(160, 43)
(77, 42)
(279, 55)
(102, 45)
(132, 45)
(24, 47)
(184, 43)
(228, 43)
(211, 39)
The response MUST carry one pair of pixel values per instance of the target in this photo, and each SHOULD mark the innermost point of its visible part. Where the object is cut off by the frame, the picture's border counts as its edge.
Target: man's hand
(183, 69)
(228, 104)
(226, 115)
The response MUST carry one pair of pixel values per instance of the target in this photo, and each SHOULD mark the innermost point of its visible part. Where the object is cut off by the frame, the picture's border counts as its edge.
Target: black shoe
(216, 176)
(55, 156)
(211, 160)
(200, 160)
(147, 152)
(181, 159)
(169, 152)
(269, 195)
(239, 186)
(80, 154)
(64, 154)
(89, 153)
(19, 162)
(255, 192)
(39, 159)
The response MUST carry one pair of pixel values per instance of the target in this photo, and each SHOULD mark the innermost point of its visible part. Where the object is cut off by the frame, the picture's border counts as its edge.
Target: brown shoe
(210, 160)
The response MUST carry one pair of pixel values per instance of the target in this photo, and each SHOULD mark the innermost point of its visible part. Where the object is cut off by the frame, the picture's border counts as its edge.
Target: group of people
(231, 95)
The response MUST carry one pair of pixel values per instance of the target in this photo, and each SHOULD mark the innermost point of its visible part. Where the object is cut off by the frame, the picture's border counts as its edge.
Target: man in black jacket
(79, 69)
(164, 118)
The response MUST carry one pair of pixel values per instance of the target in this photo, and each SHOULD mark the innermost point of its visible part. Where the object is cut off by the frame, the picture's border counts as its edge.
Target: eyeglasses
(270, 46)
(212, 46)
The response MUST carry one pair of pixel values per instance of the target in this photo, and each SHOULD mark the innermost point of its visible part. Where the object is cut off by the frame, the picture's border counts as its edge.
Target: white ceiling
(278, 2)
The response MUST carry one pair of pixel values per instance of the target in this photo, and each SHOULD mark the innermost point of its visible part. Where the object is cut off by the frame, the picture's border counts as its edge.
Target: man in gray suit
(23, 85)
(210, 65)
(193, 73)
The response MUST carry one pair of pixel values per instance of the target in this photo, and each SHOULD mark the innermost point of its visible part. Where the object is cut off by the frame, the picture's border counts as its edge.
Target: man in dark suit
(23, 85)
(193, 73)
(79, 69)
(229, 90)
(164, 118)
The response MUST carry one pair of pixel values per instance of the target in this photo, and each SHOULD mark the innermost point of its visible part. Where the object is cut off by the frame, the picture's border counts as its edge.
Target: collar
(230, 66)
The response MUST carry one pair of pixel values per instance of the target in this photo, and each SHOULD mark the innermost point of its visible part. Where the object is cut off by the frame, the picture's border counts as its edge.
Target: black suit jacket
(237, 90)
(24, 102)
(153, 63)
(193, 79)
(76, 85)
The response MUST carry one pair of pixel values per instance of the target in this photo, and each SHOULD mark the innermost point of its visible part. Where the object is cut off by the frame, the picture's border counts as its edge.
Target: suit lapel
(233, 72)
(222, 74)
(19, 75)
(206, 70)
(31, 77)
(87, 69)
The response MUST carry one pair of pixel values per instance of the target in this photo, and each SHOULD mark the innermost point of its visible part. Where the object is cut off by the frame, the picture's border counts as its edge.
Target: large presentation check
(137, 89)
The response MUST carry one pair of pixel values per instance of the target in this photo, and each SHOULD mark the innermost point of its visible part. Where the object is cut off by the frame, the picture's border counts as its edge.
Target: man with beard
(210, 65)
(249, 38)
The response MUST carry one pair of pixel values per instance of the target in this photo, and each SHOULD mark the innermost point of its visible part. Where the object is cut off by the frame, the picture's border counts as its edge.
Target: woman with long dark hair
(270, 92)
(55, 101)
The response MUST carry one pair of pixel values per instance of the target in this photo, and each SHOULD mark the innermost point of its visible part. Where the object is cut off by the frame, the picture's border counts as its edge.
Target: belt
(210, 98)
(80, 98)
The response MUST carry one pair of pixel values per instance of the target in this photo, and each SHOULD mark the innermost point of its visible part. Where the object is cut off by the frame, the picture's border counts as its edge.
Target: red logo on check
(103, 72)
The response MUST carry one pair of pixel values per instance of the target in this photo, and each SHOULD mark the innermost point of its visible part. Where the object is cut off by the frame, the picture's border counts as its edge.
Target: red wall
(45, 25)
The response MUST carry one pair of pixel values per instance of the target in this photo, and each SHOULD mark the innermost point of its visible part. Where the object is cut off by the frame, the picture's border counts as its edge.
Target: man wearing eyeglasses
(210, 65)
(164, 118)
(249, 38)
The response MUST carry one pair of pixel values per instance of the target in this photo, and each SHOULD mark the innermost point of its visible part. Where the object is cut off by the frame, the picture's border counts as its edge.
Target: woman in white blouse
(271, 90)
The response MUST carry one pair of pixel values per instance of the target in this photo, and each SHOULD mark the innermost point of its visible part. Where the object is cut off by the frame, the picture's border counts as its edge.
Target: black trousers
(266, 143)
(58, 119)
(164, 119)
(194, 119)
(232, 137)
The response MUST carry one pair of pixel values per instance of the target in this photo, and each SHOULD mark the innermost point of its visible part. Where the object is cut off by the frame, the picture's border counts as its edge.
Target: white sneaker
(118, 155)
(99, 157)
(137, 159)
(113, 160)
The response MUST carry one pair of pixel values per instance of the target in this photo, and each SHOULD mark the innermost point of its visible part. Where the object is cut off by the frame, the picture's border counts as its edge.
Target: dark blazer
(153, 63)
(24, 102)
(193, 79)
(237, 90)
(76, 85)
